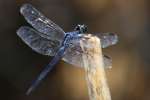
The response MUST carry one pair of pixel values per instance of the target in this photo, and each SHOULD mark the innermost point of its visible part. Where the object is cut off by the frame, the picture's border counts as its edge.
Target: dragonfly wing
(107, 61)
(107, 39)
(46, 27)
(36, 42)
(74, 56)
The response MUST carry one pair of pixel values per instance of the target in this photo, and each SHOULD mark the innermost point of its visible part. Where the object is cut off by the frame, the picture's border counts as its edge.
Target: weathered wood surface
(94, 70)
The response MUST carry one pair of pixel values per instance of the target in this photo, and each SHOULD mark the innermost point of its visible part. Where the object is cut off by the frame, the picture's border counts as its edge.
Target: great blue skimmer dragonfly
(47, 38)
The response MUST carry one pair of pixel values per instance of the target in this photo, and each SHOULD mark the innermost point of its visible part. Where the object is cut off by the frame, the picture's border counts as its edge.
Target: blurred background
(129, 79)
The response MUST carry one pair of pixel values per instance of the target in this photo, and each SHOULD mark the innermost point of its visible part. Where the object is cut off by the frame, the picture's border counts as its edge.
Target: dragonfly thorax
(69, 37)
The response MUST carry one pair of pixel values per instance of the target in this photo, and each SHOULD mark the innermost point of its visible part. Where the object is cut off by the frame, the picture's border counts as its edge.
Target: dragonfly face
(81, 28)
(47, 38)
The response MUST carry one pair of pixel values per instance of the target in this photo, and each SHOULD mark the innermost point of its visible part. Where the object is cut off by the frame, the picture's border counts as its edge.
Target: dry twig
(94, 70)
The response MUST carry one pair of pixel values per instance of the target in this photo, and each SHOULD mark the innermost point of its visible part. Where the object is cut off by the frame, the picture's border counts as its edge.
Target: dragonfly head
(81, 28)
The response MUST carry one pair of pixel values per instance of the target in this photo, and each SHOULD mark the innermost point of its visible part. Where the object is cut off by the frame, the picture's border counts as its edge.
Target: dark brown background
(129, 78)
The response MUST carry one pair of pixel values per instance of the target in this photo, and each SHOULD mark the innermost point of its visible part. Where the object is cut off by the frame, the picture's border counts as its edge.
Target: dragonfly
(47, 38)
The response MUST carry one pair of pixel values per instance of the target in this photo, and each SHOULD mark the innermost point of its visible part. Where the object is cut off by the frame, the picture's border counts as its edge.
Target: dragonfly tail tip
(29, 91)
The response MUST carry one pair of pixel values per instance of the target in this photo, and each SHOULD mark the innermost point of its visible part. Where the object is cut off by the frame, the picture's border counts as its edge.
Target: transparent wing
(107, 61)
(74, 56)
(107, 39)
(45, 26)
(36, 42)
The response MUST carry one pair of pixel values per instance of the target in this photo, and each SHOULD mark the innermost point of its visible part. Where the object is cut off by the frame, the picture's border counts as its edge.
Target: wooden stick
(94, 70)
